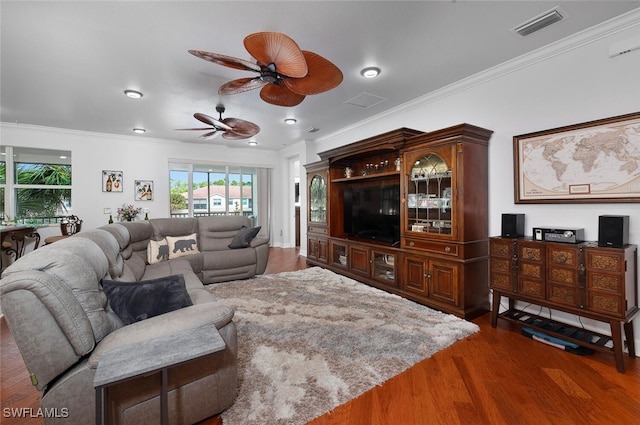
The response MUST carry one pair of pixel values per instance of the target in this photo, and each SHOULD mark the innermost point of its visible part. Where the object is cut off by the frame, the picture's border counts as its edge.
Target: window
(35, 184)
(213, 189)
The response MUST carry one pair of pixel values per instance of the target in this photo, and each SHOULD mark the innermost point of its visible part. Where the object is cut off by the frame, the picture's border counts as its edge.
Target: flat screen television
(372, 211)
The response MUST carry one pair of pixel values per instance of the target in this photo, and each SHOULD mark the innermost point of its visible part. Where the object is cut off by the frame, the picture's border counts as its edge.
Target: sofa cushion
(135, 301)
(140, 232)
(179, 246)
(163, 227)
(157, 251)
(215, 233)
(110, 247)
(244, 237)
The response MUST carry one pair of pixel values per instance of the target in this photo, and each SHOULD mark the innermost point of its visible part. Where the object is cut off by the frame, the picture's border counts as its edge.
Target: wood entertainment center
(406, 212)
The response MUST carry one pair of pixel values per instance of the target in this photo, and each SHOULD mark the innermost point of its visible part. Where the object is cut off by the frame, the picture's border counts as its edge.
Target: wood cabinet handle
(411, 243)
(447, 249)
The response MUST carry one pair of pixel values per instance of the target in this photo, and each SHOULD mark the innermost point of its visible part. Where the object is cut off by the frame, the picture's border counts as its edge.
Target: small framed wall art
(143, 190)
(111, 181)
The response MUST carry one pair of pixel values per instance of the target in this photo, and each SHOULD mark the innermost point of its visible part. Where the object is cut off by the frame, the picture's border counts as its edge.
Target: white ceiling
(66, 64)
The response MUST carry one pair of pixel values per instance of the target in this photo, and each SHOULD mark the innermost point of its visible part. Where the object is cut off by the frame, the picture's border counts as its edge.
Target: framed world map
(596, 161)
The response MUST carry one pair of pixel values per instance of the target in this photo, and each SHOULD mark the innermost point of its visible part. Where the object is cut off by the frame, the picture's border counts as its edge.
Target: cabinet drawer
(563, 294)
(322, 230)
(605, 283)
(531, 270)
(501, 265)
(600, 302)
(440, 248)
(500, 281)
(565, 275)
(599, 260)
(531, 252)
(562, 256)
(501, 248)
(531, 287)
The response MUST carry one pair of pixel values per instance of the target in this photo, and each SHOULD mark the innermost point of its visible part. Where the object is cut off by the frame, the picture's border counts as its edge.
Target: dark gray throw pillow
(135, 301)
(244, 237)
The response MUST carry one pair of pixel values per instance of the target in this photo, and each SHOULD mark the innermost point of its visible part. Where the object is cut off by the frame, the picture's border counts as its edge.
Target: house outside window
(35, 185)
(201, 190)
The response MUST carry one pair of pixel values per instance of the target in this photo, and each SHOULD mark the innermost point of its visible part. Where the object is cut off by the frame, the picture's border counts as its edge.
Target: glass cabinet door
(318, 199)
(429, 195)
(384, 266)
(338, 254)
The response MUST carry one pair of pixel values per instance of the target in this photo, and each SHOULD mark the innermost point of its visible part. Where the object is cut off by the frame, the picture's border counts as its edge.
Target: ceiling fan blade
(232, 135)
(322, 76)
(278, 49)
(211, 121)
(280, 95)
(211, 135)
(240, 129)
(227, 61)
(241, 85)
(196, 129)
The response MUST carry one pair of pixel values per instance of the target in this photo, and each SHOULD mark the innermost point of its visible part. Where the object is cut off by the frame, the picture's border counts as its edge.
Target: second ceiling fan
(229, 128)
(287, 74)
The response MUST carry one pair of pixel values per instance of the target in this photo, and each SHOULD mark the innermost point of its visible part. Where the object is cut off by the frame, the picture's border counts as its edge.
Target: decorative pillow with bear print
(179, 246)
(157, 251)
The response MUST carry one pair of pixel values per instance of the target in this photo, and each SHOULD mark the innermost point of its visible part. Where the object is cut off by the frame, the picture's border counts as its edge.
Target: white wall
(139, 158)
(571, 82)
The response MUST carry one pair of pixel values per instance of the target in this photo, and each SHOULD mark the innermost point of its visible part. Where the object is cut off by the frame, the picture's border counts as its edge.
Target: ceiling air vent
(365, 100)
(539, 22)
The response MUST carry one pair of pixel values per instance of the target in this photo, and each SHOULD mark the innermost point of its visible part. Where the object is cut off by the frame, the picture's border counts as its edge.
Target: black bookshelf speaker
(613, 230)
(512, 225)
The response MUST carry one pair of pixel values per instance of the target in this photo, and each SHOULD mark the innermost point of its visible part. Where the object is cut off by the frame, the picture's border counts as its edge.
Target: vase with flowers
(128, 212)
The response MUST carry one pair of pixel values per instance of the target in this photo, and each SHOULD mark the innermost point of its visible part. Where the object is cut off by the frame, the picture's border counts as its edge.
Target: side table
(156, 355)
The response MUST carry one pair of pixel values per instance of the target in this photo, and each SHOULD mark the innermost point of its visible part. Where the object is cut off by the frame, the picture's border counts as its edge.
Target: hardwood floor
(495, 376)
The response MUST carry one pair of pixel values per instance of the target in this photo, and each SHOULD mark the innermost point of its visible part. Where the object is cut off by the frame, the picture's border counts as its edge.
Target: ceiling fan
(286, 74)
(230, 128)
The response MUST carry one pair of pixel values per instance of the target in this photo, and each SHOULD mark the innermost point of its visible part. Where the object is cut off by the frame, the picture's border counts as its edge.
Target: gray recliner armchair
(58, 314)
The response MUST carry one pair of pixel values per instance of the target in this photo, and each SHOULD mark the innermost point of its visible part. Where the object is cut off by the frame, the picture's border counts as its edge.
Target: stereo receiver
(558, 235)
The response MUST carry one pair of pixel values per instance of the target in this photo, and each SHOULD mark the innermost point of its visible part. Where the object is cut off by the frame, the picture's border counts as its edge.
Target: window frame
(208, 173)
(11, 187)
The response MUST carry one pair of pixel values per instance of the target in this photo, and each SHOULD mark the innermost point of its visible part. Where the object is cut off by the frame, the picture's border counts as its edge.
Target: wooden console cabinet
(406, 212)
(599, 283)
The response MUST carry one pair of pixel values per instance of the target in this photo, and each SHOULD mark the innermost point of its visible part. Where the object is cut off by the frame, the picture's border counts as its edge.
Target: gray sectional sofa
(213, 262)
(55, 304)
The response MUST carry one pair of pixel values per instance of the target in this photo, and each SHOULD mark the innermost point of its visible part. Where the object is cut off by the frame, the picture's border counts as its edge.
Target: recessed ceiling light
(370, 72)
(290, 121)
(133, 94)
(139, 130)
(253, 143)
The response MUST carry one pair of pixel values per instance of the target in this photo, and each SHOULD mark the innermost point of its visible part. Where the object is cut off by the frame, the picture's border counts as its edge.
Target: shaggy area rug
(310, 340)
